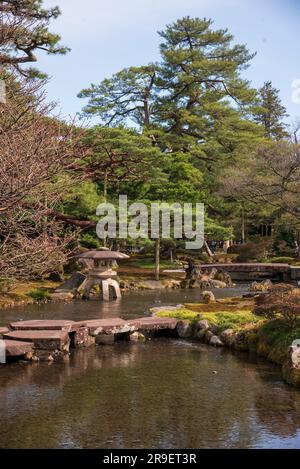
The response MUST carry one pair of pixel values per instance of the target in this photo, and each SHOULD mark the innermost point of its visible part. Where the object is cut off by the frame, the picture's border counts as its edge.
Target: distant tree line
(189, 128)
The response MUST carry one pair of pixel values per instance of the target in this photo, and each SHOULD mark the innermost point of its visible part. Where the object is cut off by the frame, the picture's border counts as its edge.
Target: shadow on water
(164, 393)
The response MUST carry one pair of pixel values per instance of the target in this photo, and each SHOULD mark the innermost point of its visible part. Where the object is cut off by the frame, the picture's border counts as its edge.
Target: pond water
(164, 393)
(131, 305)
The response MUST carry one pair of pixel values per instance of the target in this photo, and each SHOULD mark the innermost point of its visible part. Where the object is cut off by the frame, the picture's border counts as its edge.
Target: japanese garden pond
(163, 393)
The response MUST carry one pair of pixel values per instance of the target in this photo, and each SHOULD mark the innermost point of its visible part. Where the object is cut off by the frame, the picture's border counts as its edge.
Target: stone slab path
(43, 340)
(56, 336)
(153, 323)
(36, 325)
(106, 326)
(3, 330)
(16, 348)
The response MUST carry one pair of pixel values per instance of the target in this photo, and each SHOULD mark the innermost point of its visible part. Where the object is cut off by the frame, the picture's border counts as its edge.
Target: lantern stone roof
(94, 254)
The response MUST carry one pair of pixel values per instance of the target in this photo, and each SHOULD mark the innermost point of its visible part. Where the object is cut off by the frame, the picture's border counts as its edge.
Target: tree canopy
(24, 32)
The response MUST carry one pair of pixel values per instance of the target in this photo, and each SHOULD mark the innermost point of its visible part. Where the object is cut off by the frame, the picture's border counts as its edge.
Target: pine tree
(272, 112)
(204, 95)
(118, 157)
(193, 103)
(24, 31)
(127, 97)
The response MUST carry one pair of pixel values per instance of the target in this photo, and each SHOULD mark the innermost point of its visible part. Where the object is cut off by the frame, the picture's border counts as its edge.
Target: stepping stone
(107, 326)
(44, 340)
(16, 348)
(153, 323)
(3, 330)
(38, 325)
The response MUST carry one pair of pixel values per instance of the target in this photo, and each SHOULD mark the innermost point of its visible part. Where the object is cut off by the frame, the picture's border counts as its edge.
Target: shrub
(282, 260)
(89, 241)
(5, 286)
(282, 302)
(252, 251)
(39, 295)
(276, 332)
(204, 258)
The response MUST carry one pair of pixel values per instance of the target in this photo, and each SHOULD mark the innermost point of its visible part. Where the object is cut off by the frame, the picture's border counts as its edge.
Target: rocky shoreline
(41, 340)
(249, 339)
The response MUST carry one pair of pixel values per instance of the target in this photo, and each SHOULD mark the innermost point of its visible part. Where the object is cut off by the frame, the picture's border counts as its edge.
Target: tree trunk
(105, 185)
(146, 114)
(157, 258)
(208, 250)
(243, 234)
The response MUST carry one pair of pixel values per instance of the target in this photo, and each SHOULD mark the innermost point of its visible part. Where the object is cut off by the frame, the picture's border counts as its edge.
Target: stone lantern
(101, 267)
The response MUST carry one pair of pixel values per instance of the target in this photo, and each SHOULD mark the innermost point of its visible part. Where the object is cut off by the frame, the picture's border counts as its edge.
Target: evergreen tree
(204, 98)
(194, 105)
(127, 97)
(119, 158)
(272, 113)
(24, 31)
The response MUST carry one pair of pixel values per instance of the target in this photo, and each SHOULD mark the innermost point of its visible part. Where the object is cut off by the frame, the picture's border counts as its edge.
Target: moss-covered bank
(241, 330)
(20, 293)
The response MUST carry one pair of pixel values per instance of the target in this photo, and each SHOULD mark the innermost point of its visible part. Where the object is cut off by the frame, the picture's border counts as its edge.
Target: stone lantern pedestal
(100, 272)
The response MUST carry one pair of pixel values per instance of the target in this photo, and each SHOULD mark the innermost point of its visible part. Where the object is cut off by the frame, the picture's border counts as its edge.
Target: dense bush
(252, 251)
(283, 302)
(284, 242)
(39, 295)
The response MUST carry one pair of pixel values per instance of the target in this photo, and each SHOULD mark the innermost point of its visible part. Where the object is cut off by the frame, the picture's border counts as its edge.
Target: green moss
(150, 264)
(282, 260)
(39, 295)
(241, 346)
(252, 340)
(278, 333)
(223, 319)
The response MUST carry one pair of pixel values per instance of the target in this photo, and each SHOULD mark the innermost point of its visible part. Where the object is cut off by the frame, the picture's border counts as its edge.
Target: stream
(163, 393)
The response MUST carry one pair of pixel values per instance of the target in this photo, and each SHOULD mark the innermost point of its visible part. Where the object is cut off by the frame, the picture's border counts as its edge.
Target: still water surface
(162, 394)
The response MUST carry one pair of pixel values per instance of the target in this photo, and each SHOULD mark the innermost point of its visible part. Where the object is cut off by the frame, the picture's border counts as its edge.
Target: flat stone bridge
(283, 272)
(46, 340)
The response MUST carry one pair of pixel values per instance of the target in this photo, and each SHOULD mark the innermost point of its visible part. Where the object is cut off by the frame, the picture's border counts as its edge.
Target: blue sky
(107, 35)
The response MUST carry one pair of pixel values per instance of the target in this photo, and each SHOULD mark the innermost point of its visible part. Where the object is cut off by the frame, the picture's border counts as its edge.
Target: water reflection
(131, 305)
(161, 394)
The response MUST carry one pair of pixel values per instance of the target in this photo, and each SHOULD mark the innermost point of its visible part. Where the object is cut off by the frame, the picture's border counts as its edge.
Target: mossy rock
(278, 354)
(291, 375)
(252, 340)
(263, 349)
(241, 346)
(228, 337)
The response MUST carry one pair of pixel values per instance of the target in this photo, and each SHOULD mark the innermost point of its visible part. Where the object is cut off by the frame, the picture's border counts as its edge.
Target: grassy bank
(240, 329)
(18, 293)
(223, 319)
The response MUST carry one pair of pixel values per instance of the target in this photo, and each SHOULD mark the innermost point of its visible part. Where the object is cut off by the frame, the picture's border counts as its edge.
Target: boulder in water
(184, 329)
(262, 287)
(137, 337)
(215, 341)
(208, 297)
(291, 368)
